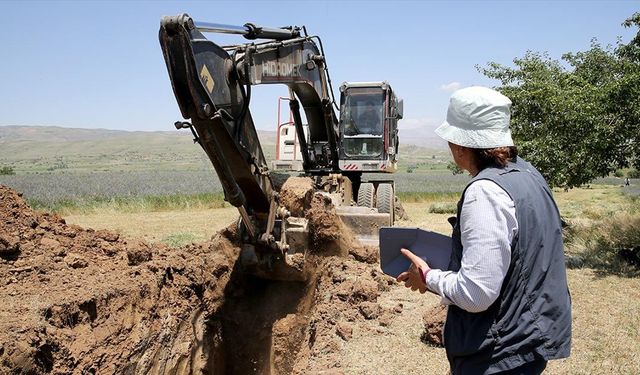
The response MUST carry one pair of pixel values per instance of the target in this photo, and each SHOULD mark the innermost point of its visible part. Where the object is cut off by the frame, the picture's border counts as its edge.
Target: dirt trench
(80, 301)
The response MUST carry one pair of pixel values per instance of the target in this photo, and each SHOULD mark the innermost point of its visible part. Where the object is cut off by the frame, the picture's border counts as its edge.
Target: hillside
(423, 137)
(49, 148)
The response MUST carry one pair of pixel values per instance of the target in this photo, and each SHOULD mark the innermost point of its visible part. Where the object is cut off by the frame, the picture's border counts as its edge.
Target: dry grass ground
(606, 332)
(606, 318)
(172, 227)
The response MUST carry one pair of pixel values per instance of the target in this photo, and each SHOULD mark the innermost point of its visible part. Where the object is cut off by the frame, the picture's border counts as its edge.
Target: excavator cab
(369, 114)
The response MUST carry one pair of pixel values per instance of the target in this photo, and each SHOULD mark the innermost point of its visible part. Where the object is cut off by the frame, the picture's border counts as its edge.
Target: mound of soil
(433, 320)
(82, 301)
(77, 300)
(296, 194)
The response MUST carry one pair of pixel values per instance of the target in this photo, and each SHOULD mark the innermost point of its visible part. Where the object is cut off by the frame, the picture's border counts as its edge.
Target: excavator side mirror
(399, 109)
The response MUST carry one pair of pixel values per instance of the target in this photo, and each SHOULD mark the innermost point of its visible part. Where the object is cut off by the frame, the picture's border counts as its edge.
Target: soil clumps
(82, 301)
(79, 301)
(296, 194)
(433, 320)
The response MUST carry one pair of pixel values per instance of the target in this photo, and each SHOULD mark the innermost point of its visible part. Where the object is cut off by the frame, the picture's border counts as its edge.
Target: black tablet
(433, 248)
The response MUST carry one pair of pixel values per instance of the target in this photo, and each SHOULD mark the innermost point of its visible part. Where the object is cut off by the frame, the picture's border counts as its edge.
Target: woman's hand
(414, 277)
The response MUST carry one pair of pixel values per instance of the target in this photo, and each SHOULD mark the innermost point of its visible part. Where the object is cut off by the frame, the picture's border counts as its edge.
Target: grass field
(75, 191)
(36, 149)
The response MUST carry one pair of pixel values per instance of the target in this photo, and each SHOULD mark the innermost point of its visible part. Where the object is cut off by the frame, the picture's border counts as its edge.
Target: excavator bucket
(365, 222)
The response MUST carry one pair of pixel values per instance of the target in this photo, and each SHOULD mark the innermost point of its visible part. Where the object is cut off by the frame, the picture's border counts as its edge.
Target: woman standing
(506, 286)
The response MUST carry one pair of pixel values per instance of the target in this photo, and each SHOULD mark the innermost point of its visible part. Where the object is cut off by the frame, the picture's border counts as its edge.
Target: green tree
(7, 170)
(453, 167)
(578, 118)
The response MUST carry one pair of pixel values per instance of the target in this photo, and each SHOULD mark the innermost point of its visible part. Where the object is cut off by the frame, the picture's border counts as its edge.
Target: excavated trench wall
(79, 301)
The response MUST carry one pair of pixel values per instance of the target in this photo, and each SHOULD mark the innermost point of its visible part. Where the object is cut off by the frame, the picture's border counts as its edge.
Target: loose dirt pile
(76, 300)
(433, 320)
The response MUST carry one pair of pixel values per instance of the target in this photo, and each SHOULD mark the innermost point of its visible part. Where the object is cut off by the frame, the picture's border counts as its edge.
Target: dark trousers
(531, 368)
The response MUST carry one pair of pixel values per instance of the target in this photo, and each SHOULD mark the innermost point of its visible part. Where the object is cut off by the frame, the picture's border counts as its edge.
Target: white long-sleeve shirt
(487, 225)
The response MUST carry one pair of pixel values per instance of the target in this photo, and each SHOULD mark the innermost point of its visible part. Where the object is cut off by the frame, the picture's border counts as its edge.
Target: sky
(98, 64)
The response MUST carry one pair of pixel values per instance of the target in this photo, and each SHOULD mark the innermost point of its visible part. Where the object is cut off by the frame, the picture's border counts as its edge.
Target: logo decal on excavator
(279, 69)
(207, 78)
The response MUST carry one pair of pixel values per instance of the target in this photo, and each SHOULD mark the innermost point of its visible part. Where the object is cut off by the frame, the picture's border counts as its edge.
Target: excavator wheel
(366, 194)
(385, 200)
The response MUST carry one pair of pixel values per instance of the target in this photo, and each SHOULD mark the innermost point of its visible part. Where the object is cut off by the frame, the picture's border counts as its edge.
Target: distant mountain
(423, 137)
(52, 148)
(56, 134)
(33, 149)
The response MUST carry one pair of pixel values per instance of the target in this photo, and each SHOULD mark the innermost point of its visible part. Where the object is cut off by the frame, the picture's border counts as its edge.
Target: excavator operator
(369, 121)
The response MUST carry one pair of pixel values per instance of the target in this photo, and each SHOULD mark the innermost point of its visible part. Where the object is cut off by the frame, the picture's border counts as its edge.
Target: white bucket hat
(478, 117)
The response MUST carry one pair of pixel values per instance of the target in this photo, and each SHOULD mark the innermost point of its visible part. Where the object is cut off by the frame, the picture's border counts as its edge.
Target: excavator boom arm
(215, 103)
(212, 85)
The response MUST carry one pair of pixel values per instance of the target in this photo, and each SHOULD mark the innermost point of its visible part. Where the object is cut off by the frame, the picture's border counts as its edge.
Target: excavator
(212, 85)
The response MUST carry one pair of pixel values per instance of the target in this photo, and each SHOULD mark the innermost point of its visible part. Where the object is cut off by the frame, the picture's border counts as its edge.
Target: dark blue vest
(531, 319)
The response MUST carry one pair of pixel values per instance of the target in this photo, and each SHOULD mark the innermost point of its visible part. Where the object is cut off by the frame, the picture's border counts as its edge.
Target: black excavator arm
(212, 85)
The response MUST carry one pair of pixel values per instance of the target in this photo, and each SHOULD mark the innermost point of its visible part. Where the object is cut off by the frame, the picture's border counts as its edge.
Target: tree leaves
(578, 118)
